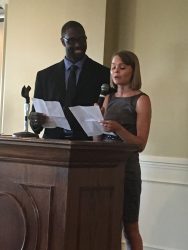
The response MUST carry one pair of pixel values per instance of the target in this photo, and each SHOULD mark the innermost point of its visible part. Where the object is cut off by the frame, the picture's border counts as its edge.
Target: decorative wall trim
(146, 246)
(149, 247)
(164, 169)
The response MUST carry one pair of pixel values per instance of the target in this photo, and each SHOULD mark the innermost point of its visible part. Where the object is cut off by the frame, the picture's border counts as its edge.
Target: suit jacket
(50, 86)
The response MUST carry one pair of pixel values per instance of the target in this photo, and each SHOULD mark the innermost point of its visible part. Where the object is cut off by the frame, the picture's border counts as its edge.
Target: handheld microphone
(105, 89)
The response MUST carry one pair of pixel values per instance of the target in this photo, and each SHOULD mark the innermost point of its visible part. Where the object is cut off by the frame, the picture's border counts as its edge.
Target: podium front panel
(61, 195)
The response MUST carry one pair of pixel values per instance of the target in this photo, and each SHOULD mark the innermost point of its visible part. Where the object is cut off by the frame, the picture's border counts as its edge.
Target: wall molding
(150, 247)
(164, 169)
(146, 246)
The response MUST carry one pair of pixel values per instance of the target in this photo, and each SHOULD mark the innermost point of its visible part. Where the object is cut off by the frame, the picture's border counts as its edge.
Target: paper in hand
(89, 118)
(52, 109)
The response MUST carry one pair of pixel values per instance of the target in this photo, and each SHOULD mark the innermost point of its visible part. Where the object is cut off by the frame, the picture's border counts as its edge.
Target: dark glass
(73, 40)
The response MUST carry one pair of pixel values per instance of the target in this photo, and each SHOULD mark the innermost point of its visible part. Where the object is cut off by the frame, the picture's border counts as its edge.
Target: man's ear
(62, 41)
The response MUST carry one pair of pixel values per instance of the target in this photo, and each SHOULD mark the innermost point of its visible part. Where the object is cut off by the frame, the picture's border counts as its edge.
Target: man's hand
(37, 119)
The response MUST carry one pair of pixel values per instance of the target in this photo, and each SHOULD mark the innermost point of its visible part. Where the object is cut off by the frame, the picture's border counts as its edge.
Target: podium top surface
(63, 152)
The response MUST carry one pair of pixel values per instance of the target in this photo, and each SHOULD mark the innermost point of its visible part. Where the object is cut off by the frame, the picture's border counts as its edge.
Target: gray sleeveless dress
(123, 110)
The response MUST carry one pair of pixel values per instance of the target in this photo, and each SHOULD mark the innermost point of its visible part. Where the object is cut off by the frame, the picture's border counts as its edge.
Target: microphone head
(105, 88)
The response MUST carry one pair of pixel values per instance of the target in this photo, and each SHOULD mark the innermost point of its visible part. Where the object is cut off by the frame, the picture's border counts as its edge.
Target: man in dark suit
(52, 83)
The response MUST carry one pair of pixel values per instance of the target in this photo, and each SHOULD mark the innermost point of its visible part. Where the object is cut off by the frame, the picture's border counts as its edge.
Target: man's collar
(68, 63)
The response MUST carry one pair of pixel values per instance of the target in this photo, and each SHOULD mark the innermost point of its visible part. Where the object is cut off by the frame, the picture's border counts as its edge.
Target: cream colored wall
(33, 43)
(2, 25)
(157, 32)
(1, 51)
(111, 29)
(1, 42)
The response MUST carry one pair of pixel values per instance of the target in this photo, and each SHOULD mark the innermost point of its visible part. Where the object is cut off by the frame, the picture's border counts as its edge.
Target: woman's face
(121, 73)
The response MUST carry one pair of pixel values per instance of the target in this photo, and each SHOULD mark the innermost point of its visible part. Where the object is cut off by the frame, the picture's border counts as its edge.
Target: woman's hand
(111, 126)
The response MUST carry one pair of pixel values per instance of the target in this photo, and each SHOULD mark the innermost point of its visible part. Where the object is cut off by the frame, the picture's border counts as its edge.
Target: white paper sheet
(89, 118)
(53, 110)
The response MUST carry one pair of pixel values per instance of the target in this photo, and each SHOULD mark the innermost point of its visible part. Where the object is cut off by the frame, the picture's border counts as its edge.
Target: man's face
(75, 44)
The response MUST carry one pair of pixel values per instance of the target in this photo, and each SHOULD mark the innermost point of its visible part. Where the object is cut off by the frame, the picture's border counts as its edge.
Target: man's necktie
(71, 86)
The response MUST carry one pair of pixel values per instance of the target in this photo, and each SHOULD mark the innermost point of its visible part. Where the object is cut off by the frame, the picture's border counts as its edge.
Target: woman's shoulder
(139, 98)
(143, 95)
(143, 101)
(139, 93)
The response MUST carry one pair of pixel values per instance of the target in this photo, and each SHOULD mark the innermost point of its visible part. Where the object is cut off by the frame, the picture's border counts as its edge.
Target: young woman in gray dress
(127, 113)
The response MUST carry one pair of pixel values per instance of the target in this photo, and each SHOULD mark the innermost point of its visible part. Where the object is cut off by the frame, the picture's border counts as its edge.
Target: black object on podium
(26, 133)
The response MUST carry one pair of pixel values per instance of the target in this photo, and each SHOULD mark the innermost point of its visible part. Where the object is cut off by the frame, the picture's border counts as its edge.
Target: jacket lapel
(61, 80)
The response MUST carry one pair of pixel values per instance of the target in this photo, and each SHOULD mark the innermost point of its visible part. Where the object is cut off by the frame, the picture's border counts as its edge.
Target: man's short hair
(71, 24)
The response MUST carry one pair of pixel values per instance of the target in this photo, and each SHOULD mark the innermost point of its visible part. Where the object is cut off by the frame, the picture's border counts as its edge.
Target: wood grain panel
(12, 219)
(61, 195)
(19, 216)
(94, 230)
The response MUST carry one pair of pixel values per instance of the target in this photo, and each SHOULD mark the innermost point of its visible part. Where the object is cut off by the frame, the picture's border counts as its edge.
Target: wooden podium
(61, 195)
